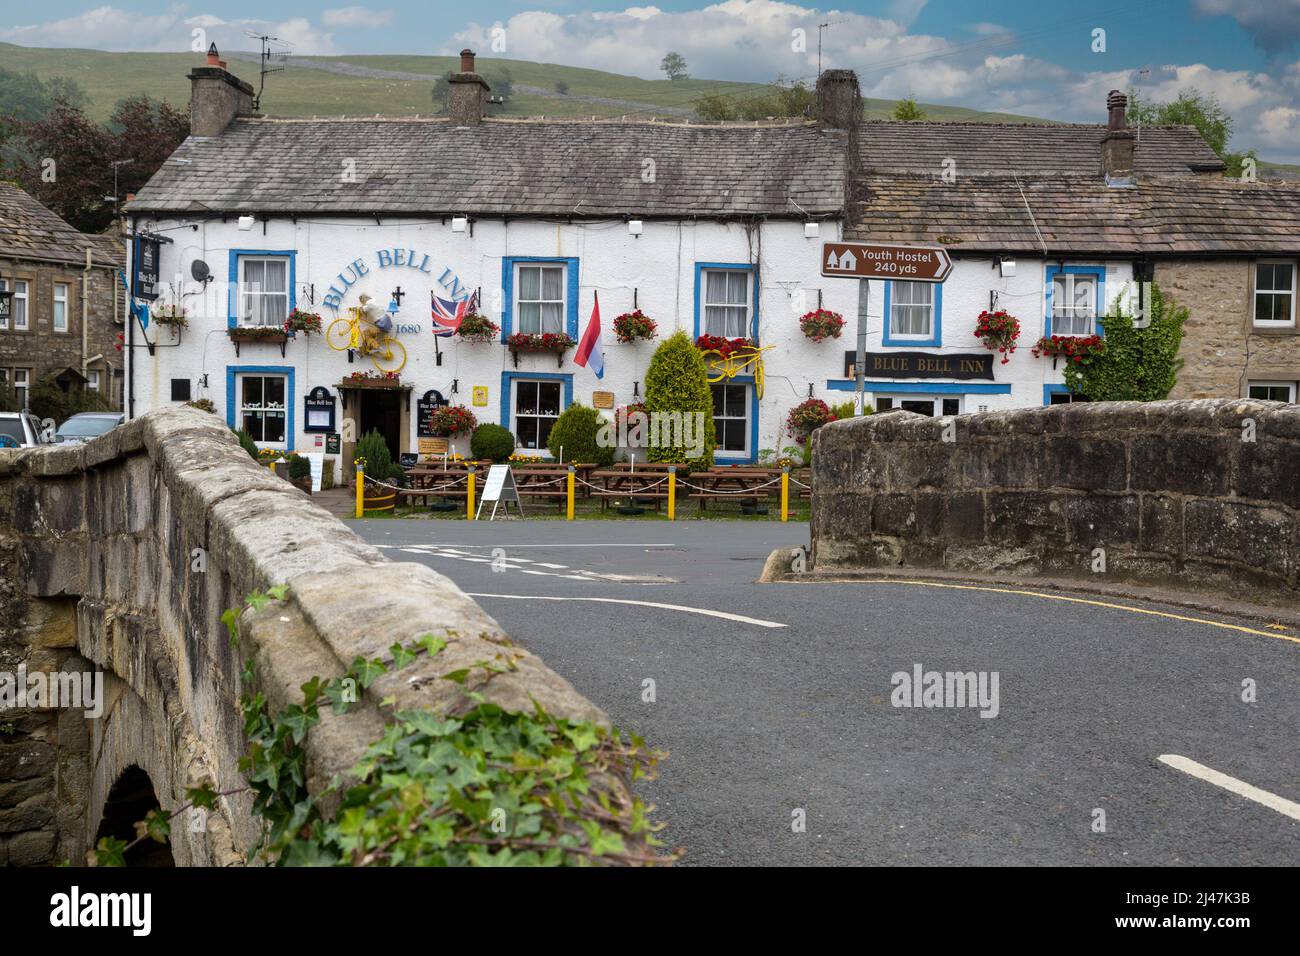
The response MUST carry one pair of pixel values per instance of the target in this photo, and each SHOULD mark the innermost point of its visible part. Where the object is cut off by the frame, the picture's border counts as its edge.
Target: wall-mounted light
(459, 223)
(1006, 266)
(811, 230)
(246, 223)
(635, 227)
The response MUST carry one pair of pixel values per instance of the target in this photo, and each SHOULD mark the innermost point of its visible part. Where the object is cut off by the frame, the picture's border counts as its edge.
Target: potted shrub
(373, 456)
(821, 324)
(477, 328)
(492, 442)
(998, 331)
(452, 421)
(631, 326)
(300, 473)
(301, 321)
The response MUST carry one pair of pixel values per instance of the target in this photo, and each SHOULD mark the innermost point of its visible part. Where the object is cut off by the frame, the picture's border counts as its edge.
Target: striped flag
(589, 344)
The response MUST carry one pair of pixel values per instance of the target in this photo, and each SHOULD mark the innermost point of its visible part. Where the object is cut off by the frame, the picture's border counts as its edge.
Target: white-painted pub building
(714, 229)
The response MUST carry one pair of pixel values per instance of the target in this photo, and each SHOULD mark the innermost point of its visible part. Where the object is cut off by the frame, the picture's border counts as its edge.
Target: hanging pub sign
(424, 409)
(958, 365)
(320, 410)
(146, 268)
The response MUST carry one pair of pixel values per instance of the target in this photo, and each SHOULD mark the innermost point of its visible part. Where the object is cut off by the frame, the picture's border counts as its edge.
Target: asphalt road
(763, 721)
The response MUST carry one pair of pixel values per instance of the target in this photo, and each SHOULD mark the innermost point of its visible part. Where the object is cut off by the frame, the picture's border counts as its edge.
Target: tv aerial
(274, 50)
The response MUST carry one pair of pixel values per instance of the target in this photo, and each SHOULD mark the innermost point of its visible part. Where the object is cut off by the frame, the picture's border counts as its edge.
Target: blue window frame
(232, 299)
(536, 428)
(1064, 279)
(509, 270)
(750, 300)
(750, 454)
(234, 404)
(910, 296)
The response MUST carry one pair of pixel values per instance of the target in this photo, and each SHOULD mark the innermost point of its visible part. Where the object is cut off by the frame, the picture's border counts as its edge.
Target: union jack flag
(447, 313)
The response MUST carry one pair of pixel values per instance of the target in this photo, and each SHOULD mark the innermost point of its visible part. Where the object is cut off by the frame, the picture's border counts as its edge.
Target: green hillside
(316, 85)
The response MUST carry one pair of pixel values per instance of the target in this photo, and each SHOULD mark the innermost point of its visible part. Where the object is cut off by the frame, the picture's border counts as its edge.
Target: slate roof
(504, 168)
(28, 230)
(1025, 149)
(1169, 215)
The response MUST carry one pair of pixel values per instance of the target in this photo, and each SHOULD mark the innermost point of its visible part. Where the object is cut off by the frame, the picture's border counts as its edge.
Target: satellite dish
(200, 271)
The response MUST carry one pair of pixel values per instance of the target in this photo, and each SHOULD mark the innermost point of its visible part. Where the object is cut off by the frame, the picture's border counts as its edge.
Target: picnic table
(732, 484)
(623, 481)
(431, 480)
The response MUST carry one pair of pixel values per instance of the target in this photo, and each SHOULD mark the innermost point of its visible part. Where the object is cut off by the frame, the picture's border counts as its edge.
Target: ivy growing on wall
(1138, 365)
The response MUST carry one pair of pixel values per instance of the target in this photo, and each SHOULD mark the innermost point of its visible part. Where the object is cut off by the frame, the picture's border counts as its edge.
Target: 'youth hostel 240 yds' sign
(870, 260)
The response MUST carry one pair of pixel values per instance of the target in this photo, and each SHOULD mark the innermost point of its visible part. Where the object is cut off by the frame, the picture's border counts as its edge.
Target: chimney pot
(214, 58)
(839, 102)
(467, 60)
(1116, 106)
(1118, 145)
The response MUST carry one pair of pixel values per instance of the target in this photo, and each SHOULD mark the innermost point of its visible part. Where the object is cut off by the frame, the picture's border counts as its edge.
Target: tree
(676, 382)
(674, 64)
(562, 88)
(1192, 108)
(1138, 365)
(780, 100)
(48, 400)
(141, 130)
(907, 111)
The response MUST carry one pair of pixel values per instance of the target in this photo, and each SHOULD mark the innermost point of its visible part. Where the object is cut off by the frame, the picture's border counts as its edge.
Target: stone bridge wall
(1194, 494)
(124, 553)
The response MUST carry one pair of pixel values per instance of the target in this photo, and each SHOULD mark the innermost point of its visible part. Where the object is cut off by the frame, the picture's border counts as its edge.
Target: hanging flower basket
(477, 328)
(724, 345)
(371, 379)
(258, 333)
(821, 324)
(304, 322)
(172, 316)
(631, 326)
(556, 343)
(998, 331)
(806, 417)
(452, 421)
(1075, 349)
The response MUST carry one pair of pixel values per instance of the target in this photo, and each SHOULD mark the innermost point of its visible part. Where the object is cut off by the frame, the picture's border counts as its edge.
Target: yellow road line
(1075, 600)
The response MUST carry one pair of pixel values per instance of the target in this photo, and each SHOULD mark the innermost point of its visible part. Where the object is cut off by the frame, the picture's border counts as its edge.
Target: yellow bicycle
(388, 354)
(740, 361)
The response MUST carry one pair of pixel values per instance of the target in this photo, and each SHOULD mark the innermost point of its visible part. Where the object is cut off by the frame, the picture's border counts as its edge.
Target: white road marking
(725, 615)
(595, 544)
(514, 564)
(1282, 805)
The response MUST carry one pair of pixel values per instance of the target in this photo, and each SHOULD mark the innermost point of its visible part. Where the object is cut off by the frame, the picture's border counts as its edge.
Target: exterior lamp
(811, 230)
(459, 223)
(1006, 266)
(245, 223)
(635, 227)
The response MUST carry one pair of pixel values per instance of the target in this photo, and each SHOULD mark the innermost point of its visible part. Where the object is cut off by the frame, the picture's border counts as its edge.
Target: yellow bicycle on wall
(388, 354)
(739, 361)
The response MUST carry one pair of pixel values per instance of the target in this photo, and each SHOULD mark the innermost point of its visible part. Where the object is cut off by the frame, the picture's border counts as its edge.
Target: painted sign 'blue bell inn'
(714, 229)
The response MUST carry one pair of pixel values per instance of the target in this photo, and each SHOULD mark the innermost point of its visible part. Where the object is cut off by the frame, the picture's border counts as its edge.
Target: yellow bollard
(469, 497)
(672, 492)
(361, 491)
(569, 488)
(785, 494)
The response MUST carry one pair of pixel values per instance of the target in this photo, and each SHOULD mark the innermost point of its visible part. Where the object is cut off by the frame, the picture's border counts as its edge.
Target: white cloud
(1274, 25)
(357, 18)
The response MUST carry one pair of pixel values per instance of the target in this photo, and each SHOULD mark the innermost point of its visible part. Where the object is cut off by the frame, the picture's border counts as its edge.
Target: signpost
(865, 261)
(500, 487)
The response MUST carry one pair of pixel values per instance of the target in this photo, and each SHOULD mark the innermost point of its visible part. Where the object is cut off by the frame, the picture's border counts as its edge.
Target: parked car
(84, 426)
(22, 430)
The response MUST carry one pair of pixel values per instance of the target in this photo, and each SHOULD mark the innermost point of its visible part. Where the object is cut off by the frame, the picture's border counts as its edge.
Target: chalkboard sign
(408, 459)
(146, 268)
(424, 409)
(332, 444)
(320, 410)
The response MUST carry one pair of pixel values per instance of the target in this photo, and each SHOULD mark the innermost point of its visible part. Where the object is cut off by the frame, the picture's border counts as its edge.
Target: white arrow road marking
(513, 564)
(725, 615)
(1282, 805)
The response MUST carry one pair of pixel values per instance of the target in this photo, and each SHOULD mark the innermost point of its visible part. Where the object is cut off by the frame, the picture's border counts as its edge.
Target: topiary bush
(575, 432)
(493, 442)
(677, 382)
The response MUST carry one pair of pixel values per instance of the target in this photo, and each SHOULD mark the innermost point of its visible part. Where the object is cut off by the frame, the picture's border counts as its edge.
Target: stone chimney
(467, 101)
(217, 96)
(1118, 143)
(839, 102)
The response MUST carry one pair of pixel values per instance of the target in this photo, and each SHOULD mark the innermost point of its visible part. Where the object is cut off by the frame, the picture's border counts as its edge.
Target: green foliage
(676, 381)
(246, 442)
(674, 64)
(782, 99)
(379, 463)
(8, 397)
(48, 400)
(1192, 108)
(299, 467)
(1138, 365)
(847, 409)
(493, 442)
(908, 111)
(576, 431)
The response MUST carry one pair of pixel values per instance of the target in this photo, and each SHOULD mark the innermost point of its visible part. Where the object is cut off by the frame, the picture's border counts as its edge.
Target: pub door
(381, 410)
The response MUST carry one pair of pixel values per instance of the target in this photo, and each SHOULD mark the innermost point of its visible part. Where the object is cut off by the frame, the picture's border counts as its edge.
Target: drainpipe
(128, 358)
(85, 310)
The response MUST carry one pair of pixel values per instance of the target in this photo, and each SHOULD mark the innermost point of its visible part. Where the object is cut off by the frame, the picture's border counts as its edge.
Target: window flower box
(821, 324)
(721, 344)
(555, 342)
(1075, 349)
(631, 326)
(255, 334)
(372, 379)
(171, 316)
(998, 331)
(477, 328)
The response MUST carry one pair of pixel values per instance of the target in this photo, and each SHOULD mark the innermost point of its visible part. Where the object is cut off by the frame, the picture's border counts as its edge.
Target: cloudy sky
(1019, 56)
